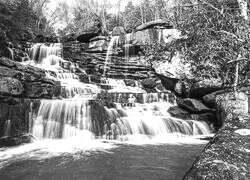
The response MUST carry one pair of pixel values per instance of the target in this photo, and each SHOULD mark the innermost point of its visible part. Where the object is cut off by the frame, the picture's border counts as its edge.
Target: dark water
(114, 162)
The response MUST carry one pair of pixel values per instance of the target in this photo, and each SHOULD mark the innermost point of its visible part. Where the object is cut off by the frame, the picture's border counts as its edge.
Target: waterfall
(89, 119)
(62, 119)
(7, 126)
(11, 53)
(48, 57)
(73, 88)
(127, 112)
(112, 47)
(39, 51)
(127, 45)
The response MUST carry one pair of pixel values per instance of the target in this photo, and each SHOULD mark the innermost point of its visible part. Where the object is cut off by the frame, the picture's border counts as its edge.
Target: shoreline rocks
(226, 155)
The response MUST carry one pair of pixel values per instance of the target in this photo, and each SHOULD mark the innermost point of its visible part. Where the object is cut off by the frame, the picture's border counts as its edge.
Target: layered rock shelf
(18, 80)
(95, 64)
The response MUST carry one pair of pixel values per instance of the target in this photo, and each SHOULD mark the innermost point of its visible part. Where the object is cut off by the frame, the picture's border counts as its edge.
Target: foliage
(217, 35)
(22, 20)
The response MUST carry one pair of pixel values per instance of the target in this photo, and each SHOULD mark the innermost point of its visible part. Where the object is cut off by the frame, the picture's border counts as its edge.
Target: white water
(77, 117)
(120, 86)
(62, 119)
(127, 45)
(39, 52)
(73, 118)
(46, 57)
(7, 126)
(11, 53)
(112, 47)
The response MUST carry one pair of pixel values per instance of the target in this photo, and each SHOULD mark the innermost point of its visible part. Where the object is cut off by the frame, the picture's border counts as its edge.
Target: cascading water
(62, 119)
(74, 130)
(39, 52)
(7, 126)
(88, 119)
(112, 47)
(78, 115)
(73, 88)
(127, 45)
(47, 57)
(11, 53)
(120, 86)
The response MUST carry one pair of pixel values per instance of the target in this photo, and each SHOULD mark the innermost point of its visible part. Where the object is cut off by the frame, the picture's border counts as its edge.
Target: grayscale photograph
(124, 89)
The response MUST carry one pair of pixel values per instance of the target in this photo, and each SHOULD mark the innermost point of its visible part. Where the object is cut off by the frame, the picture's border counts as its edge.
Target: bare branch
(210, 5)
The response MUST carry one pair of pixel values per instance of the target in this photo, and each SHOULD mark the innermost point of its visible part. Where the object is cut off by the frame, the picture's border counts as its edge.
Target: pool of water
(99, 160)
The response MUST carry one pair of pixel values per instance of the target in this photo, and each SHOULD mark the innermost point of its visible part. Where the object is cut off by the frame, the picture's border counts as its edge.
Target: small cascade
(40, 51)
(112, 47)
(48, 57)
(153, 120)
(127, 46)
(7, 126)
(120, 86)
(11, 53)
(73, 88)
(66, 75)
(63, 119)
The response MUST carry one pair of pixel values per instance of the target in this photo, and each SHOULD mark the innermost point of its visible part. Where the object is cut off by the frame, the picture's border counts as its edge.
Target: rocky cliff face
(18, 80)
(20, 85)
(226, 155)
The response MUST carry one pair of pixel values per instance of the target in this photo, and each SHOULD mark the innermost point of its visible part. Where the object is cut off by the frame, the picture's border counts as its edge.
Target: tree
(132, 16)
(217, 39)
(86, 11)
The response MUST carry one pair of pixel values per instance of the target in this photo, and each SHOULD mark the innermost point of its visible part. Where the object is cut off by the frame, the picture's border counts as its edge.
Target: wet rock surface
(226, 156)
(177, 112)
(193, 106)
(204, 87)
(16, 140)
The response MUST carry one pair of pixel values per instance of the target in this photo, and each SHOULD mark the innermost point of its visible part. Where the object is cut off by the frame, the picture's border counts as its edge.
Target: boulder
(209, 118)
(17, 79)
(89, 31)
(40, 89)
(10, 86)
(229, 104)
(167, 82)
(152, 24)
(97, 38)
(130, 82)
(144, 37)
(69, 37)
(209, 99)
(182, 88)
(149, 83)
(204, 87)
(193, 106)
(226, 155)
(16, 140)
(98, 46)
(177, 112)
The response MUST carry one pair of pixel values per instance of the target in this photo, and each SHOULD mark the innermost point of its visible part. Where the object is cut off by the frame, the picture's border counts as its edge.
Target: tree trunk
(243, 8)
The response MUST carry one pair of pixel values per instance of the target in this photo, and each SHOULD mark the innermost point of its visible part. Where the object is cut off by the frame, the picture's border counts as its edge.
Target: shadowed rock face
(226, 155)
(89, 31)
(16, 140)
(177, 112)
(193, 106)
